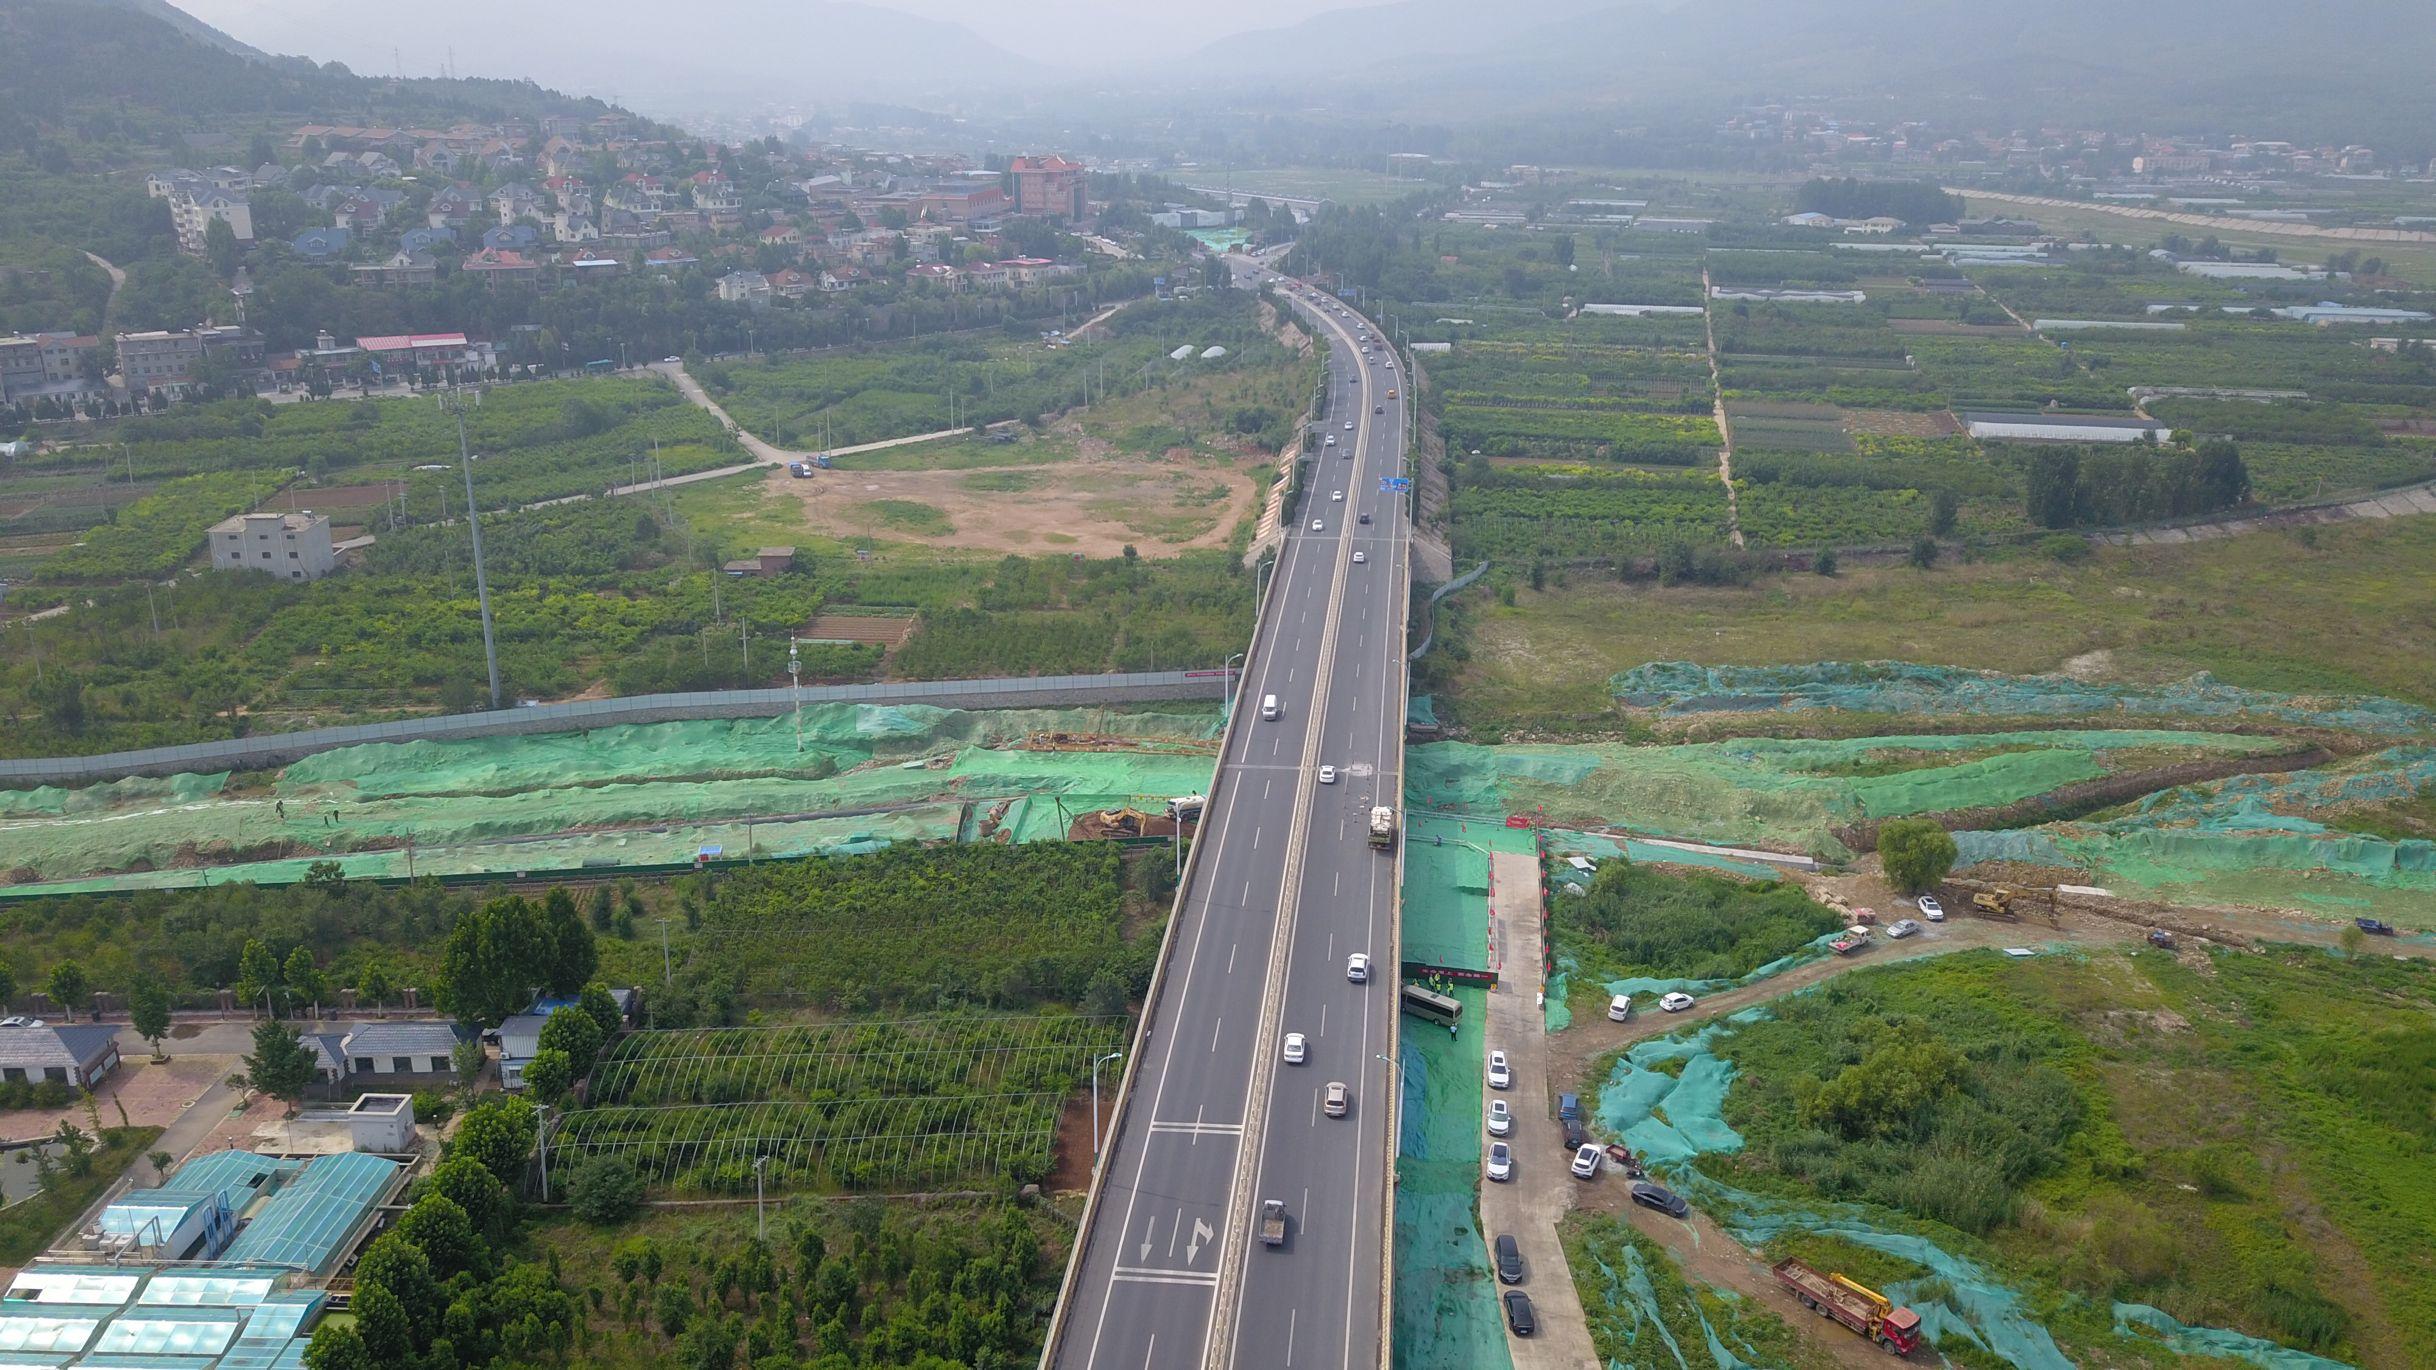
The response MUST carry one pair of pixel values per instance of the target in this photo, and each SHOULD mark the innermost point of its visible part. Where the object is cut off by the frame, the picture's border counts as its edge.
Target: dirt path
(1725, 426)
(1089, 506)
(1530, 1206)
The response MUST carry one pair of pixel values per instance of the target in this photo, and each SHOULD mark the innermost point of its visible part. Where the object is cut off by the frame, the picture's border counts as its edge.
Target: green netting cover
(1631, 1292)
(622, 796)
(2216, 1341)
(1785, 793)
(1421, 709)
(2251, 839)
(1446, 1311)
(1896, 687)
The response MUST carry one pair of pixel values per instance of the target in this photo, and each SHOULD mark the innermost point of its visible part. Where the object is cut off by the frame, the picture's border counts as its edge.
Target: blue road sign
(1395, 484)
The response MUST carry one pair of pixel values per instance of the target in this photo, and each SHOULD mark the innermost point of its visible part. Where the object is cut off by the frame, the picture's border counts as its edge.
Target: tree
(597, 1001)
(1916, 853)
(280, 1065)
(387, 1328)
(467, 1059)
(446, 1234)
(499, 1133)
(548, 1074)
(572, 955)
(304, 980)
(220, 248)
(1944, 507)
(148, 1011)
(604, 1190)
(1924, 552)
(487, 970)
(1824, 563)
(8, 985)
(70, 987)
(338, 1346)
(374, 981)
(571, 1030)
(257, 973)
(471, 1186)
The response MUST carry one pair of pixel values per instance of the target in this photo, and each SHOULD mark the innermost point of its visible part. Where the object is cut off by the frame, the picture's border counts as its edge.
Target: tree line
(2107, 486)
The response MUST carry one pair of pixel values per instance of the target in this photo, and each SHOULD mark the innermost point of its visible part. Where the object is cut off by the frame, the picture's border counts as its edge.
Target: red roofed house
(669, 258)
(497, 266)
(793, 284)
(940, 274)
(781, 235)
(1049, 185)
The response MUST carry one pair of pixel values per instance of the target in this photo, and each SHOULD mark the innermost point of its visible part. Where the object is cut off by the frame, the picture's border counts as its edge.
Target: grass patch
(1636, 921)
(2398, 821)
(26, 1229)
(1001, 481)
(2336, 609)
(908, 516)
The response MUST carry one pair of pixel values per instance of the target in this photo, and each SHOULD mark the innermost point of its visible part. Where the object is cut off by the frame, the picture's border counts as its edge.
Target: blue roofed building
(126, 1317)
(322, 244)
(511, 238)
(426, 239)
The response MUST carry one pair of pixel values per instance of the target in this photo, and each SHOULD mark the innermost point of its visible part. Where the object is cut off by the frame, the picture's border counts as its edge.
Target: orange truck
(1853, 1304)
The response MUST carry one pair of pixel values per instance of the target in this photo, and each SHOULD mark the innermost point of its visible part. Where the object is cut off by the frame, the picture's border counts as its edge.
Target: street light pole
(1095, 1107)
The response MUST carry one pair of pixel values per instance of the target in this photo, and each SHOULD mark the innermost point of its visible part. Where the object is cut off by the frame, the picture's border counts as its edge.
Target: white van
(1268, 708)
(1619, 1008)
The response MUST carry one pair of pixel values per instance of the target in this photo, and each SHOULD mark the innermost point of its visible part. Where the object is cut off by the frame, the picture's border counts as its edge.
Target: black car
(1574, 1136)
(1509, 1261)
(2377, 926)
(1519, 1315)
(1661, 1198)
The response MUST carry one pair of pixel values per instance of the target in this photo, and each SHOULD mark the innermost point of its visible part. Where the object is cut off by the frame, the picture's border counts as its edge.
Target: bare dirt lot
(1093, 505)
(885, 631)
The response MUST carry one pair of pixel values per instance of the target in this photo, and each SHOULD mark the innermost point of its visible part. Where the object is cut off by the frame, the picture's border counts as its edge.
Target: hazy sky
(1060, 32)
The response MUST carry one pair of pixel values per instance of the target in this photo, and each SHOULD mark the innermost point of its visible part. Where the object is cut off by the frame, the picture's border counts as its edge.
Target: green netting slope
(616, 796)
(1446, 1311)
(1784, 792)
(2256, 839)
(1896, 687)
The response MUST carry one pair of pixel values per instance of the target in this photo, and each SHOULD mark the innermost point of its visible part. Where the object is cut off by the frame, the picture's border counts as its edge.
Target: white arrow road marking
(1202, 1232)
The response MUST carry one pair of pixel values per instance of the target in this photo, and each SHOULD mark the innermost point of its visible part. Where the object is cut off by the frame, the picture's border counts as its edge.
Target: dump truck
(1187, 808)
(1382, 827)
(1853, 1304)
(1847, 944)
(1272, 1222)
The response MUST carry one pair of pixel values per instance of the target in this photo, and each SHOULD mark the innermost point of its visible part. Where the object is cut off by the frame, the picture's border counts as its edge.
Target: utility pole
(473, 521)
(1095, 1107)
(795, 686)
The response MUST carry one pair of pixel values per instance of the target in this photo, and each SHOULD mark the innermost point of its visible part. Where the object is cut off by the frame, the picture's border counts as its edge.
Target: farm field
(2416, 262)
(2332, 609)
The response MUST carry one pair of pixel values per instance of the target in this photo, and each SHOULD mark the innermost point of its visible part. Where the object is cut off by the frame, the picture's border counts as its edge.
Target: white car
(1358, 558)
(1902, 927)
(1676, 1001)
(1319, 525)
(1296, 1049)
(1336, 497)
(1327, 775)
(1586, 1162)
(1501, 1076)
(1501, 1118)
(1348, 425)
(1357, 968)
(1931, 909)
(1501, 1161)
(1331, 440)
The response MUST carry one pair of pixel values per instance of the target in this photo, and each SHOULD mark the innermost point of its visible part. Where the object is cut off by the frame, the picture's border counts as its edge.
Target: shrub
(604, 1190)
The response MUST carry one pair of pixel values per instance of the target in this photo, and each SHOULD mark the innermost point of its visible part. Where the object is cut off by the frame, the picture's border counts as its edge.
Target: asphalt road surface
(1287, 888)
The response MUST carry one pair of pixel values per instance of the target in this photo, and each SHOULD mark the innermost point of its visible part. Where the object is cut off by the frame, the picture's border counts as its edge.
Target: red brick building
(1050, 186)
